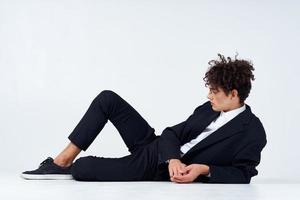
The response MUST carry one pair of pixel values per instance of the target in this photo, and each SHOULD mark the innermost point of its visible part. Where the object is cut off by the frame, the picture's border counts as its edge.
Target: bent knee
(106, 98)
(107, 94)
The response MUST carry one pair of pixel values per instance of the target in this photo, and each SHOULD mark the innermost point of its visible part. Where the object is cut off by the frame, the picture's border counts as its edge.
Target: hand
(192, 172)
(176, 167)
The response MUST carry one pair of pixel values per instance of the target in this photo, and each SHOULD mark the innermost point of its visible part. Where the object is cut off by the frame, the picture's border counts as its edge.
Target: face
(222, 102)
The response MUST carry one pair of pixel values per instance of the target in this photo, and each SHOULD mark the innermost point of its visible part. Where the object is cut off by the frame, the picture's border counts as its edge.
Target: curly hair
(230, 74)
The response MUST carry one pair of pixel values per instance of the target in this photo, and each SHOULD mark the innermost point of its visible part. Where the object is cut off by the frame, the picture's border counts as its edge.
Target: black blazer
(232, 152)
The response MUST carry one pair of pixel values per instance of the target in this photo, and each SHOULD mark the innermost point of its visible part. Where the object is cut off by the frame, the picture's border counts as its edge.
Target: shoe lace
(48, 160)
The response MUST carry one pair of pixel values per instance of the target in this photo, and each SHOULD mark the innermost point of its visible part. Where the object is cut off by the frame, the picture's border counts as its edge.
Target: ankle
(62, 162)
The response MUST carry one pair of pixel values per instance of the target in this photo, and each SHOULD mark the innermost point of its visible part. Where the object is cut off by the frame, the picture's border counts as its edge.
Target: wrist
(174, 160)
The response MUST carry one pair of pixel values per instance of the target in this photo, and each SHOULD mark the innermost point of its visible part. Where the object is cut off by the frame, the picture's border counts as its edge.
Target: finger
(172, 179)
(189, 167)
(183, 179)
(179, 179)
(171, 173)
(188, 178)
(182, 170)
(175, 180)
(176, 172)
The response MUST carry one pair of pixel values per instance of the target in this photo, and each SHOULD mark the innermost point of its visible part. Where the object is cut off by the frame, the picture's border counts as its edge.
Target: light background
(56, 56)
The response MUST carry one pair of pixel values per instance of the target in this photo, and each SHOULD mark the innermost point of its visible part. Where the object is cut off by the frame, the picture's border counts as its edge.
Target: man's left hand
(192, 172)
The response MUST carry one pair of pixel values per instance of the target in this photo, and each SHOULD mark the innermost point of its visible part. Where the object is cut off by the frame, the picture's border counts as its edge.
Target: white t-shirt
(212, 127)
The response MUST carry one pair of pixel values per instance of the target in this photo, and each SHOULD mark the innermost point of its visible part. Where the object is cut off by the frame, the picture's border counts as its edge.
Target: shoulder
(255, 128)
(255, 121)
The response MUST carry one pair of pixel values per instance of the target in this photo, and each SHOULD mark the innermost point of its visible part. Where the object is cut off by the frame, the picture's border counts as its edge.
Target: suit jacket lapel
(231, 128)
(205, 119)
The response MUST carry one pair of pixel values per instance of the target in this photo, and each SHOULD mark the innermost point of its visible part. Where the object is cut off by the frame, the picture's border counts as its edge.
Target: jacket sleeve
(171, 140)
(169, 144)
(242, 168)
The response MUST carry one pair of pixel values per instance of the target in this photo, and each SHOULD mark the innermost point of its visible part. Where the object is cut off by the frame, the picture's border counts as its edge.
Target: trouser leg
(139, 166)
(134, 130)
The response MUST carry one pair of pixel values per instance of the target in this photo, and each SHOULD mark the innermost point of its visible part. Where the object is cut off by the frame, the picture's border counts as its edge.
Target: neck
(234, 107)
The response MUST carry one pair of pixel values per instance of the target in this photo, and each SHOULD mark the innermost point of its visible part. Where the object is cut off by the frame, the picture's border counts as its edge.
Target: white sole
(47, 176)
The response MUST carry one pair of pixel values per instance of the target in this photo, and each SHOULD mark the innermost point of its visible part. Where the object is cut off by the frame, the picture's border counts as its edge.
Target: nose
(209, 96)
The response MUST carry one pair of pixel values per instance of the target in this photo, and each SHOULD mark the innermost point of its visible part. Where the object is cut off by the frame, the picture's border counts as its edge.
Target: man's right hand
(176, 167)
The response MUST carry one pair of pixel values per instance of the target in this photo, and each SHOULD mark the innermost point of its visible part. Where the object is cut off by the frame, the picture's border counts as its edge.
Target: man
(220, 142)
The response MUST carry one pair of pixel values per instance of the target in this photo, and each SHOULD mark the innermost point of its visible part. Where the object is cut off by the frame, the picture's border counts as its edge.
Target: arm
(169, 144)
(241, 171)
(172, 138)
(242, 168)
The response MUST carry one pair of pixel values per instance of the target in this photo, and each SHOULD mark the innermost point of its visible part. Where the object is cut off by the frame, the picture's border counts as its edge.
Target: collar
(233, 113)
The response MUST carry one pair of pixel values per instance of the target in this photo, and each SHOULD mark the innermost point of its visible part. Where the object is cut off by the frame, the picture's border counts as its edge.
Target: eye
(214, 91)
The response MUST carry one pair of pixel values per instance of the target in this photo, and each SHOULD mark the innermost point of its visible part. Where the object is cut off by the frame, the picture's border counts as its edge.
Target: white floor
(13, 187)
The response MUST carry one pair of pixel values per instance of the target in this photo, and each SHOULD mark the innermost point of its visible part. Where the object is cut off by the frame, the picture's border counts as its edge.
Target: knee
(106, 95)
(82, 169)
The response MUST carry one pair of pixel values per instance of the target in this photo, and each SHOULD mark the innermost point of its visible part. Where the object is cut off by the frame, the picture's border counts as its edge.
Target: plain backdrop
(56, 56)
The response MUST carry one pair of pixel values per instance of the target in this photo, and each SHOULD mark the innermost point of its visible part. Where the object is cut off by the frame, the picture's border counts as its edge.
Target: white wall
(56, 56)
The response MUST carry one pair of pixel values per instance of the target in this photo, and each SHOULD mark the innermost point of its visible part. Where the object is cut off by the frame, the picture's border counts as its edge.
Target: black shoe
(48, 170)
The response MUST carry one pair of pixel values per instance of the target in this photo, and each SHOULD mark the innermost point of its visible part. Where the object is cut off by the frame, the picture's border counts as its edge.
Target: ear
(234, 93)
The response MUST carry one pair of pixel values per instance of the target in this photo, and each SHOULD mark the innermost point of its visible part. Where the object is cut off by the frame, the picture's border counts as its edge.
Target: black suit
(232, 152)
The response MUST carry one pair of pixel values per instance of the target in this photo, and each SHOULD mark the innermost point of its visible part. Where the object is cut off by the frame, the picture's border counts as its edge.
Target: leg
(139, 166)
(134, 130)
(66, 157)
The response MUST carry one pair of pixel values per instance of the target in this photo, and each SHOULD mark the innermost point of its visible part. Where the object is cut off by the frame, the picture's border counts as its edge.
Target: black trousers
(138, 135)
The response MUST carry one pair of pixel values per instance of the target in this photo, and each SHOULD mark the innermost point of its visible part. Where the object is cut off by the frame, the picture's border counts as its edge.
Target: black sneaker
(48, 170)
